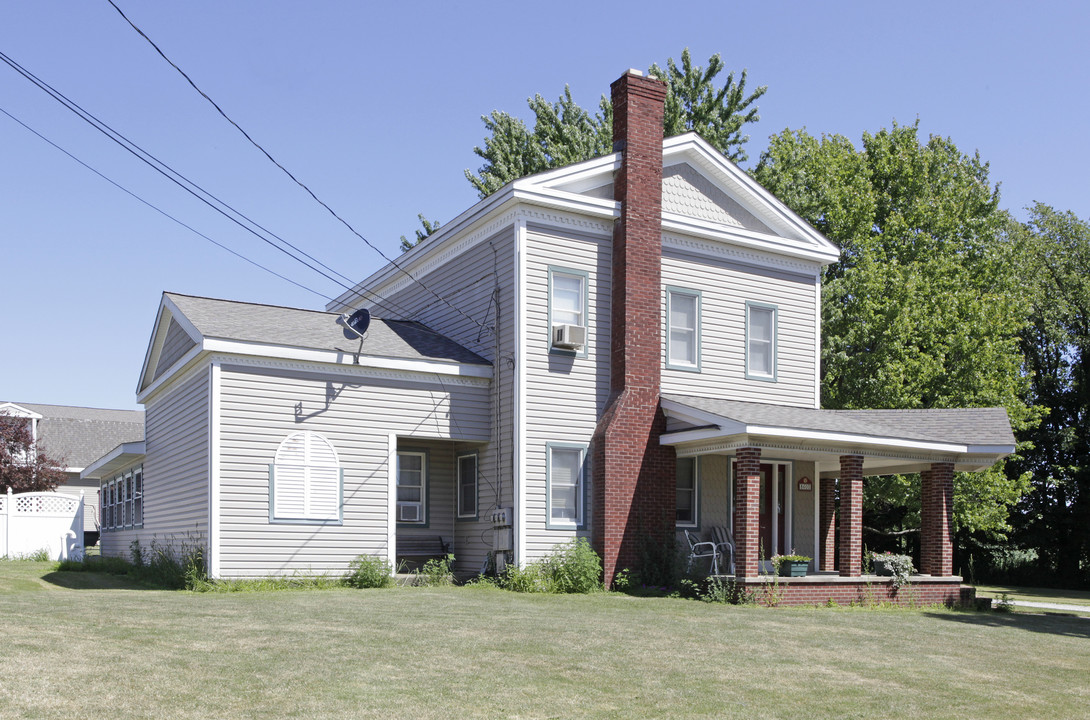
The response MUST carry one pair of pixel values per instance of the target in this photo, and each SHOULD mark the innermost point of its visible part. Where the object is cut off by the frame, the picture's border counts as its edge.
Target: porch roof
(889, 440)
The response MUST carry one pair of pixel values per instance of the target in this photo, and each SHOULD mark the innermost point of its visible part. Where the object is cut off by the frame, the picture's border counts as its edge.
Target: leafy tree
(24, 467)
(1054, 519)
(565, 133)
(427, 227)
(925, 306)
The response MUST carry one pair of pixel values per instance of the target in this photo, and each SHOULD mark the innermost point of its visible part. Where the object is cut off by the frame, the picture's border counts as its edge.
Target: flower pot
(883, 567)
(792, 568)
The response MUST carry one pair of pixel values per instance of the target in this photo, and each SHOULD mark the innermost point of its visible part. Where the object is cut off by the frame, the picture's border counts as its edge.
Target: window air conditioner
(408, 512)
(570, 337)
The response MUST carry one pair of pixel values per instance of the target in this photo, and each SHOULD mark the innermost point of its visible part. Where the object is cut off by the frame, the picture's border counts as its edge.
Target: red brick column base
(747, 499)
(936, 511)
(851, 515)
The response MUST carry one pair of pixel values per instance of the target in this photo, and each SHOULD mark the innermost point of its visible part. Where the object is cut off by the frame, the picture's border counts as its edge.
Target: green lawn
(1046, 595)
(83, 645)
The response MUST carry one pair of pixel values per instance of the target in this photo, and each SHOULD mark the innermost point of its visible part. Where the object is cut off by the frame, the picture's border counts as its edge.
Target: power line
(174, 176)
(161, 211)
(290, 175)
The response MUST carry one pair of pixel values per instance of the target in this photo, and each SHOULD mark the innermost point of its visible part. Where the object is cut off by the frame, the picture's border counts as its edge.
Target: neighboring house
(629, 348)
(78, 436)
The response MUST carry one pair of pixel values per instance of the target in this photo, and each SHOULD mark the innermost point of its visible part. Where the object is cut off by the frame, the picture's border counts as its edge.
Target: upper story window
(760, 341)
(565, 491)
(412, 487)
(568, 310)
(305, 482)
(683, 329)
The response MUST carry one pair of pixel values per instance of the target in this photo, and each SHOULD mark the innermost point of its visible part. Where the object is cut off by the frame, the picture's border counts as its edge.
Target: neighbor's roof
(79, 435)
(967, 426)
(295, 327)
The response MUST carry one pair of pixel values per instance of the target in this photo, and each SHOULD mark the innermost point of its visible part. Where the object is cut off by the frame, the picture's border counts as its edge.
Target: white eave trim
(673, 222)
(337, 357)
(322, 357)
(122, 455)
(724, 431)
(854, 439)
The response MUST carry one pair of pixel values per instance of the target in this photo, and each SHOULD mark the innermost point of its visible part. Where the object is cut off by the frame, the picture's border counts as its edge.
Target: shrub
(166, 566)
(435, 572)
(573, 567)
(369, 571)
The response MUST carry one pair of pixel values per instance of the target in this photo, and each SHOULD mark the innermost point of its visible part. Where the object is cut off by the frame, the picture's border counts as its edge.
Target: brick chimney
(634, 484)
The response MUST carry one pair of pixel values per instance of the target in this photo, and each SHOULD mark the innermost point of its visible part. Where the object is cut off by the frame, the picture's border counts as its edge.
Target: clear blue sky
(377, 107)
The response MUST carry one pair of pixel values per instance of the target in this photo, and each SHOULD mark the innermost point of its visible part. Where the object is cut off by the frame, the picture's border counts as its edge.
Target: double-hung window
(760, 341)
(683, 329)
(412, 487)
(568, 307)
(688, 495)
(305, 481)
(565, 479)
(467, 486)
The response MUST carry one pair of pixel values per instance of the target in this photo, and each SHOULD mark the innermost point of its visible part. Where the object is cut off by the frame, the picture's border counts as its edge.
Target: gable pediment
(172, 339)
(703, 195)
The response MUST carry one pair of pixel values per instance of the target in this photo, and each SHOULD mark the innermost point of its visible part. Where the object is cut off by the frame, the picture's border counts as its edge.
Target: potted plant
(790, 565)
(888, 564)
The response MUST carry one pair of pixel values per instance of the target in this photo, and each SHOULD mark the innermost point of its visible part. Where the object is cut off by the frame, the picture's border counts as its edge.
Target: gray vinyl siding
(565, 395)
(72, 487)
(467, 282)
(176, 344)
(725, 288)
(802, 510)
(260, 407)
(175, 471)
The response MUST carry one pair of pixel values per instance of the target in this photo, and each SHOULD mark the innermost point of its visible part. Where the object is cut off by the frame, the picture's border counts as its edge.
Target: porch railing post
(851, 515)
(936, 509)
(747, 498)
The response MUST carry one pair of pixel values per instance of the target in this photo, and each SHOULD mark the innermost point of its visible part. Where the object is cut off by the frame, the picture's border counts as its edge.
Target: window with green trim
(412, 487)
(688, 496)
(467, 485)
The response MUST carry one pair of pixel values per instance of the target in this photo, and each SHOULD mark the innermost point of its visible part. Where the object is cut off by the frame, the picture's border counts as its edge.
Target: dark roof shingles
(969, 426)
(295, 327)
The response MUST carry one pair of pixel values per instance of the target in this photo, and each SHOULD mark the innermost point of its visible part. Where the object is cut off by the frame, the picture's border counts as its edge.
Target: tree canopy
(1054, 518)
(565, 133)
(24, 467)
(925, 307)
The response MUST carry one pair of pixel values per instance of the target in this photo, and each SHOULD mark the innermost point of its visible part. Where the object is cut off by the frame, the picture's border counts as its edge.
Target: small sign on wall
(806, 485)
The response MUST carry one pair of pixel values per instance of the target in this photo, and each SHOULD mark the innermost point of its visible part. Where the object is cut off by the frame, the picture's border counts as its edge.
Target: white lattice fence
(30, 522)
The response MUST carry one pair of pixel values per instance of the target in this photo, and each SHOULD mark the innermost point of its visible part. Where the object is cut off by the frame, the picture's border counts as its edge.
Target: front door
(772, 517)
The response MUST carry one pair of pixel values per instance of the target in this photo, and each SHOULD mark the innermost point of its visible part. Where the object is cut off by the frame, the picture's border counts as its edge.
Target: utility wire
(169, 173)
(290, 175)
(161, 211)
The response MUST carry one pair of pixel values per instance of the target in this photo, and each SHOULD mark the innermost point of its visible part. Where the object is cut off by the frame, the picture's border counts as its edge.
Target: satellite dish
(357, 323)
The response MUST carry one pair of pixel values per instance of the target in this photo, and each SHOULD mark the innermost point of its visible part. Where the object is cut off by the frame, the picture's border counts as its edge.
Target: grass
(73, 647)
(1046, 595)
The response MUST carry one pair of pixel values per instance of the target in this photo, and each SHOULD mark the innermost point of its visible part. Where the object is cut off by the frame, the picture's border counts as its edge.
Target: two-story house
(620, 349)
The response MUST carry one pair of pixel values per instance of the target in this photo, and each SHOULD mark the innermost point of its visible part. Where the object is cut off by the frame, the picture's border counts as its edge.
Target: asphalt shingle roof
(79, 435)
(968, 426)
(295, 327)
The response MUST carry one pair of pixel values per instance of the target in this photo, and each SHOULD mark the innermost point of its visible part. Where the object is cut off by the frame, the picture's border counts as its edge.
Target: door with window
(775, 534)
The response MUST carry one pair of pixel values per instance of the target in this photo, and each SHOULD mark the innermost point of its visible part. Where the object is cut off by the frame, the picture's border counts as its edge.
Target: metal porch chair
(701, 549)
